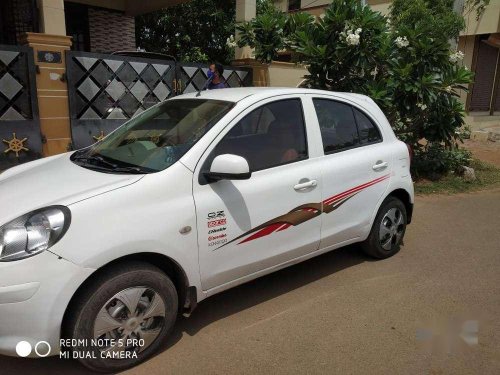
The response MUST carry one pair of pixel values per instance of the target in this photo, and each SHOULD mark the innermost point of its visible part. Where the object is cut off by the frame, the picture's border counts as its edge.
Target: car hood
(53, 180)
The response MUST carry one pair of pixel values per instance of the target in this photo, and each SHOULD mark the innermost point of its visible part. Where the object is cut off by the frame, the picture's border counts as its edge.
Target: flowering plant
(402, 42)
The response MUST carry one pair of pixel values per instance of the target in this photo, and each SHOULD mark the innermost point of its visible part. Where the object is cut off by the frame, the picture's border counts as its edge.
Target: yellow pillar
(52, 17)
(260, 74)
(245, 11)
(52, 90)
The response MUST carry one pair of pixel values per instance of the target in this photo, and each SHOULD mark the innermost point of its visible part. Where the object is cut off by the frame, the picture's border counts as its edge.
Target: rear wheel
(387, 231)
(123, 317)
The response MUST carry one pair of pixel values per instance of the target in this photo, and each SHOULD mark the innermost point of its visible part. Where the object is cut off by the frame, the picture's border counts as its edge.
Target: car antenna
(205, 85)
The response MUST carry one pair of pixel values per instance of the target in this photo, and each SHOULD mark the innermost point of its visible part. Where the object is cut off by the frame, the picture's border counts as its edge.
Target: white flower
(230, 42)
(448, 89)
(374, 72)
(352, 39)
(177, 34)
(457, 56)
(402, 42)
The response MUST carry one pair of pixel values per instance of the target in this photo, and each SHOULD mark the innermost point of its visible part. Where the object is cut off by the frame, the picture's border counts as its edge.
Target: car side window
(271, 135)
(368, 131)
(337, 124)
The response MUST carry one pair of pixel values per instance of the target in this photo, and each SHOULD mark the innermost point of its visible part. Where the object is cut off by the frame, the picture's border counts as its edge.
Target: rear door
(251, 225)
(356, 169)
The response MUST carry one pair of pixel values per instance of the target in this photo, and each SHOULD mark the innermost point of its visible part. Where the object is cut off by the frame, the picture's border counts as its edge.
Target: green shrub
(435, 161)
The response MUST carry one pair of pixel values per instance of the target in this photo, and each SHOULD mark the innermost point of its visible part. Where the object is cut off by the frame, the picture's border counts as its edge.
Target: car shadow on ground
(215, 308)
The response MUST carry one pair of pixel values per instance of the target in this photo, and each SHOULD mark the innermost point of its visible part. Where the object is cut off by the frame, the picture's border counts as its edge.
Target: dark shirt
(220, 85)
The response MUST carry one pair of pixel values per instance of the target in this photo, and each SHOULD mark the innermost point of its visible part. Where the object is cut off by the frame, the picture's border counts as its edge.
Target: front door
(248, 226)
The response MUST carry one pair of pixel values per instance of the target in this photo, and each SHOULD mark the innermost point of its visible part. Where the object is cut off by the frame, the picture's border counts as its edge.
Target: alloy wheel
(135, 316)
(391, 228)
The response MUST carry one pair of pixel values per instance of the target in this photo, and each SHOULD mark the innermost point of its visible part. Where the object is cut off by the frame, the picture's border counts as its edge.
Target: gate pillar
(52, 90)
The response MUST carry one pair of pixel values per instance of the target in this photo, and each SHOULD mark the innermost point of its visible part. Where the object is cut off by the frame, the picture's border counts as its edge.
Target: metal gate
(20, 134)
(107, 90)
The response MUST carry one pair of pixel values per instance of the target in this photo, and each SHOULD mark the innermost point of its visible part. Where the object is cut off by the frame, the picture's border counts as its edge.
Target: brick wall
(111, 31)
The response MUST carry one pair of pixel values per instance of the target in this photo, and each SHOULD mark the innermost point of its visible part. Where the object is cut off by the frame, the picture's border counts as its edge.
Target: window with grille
(17, 17)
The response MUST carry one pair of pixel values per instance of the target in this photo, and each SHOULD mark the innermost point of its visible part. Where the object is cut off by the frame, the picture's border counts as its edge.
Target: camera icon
(24, 349)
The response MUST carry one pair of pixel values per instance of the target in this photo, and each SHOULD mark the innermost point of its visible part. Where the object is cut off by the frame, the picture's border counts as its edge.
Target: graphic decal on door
(216, 223)
(303, 213)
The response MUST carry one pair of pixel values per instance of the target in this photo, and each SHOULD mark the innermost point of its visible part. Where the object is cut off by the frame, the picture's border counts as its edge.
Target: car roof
(258, 93)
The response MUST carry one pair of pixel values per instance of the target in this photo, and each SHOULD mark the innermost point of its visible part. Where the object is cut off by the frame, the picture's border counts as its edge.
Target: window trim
(352, 106)
(237, 119)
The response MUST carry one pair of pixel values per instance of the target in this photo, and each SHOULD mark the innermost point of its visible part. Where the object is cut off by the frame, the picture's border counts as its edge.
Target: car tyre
(387, 231)
(103, 311)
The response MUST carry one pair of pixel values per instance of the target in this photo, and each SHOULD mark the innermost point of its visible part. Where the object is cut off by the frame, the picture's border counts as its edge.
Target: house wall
(317, 7)
(466, 44)
(282, 74)
(381, 6)
(111, 31)
(488, 23)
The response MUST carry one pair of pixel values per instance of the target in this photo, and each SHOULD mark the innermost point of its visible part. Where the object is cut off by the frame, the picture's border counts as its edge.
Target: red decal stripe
(263, 232)
(286, 226)
(355, 189)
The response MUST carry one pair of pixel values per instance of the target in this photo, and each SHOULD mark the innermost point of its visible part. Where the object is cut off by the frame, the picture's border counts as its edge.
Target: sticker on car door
(216, 223)
(302, 214)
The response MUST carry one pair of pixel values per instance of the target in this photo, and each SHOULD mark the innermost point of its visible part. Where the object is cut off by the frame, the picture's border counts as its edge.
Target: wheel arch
(187, 294)
(404, 197)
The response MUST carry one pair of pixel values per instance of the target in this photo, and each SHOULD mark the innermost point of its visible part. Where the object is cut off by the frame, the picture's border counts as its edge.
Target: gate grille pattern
(20, 137)
(192, 77)
(15, 100)
(107, 90)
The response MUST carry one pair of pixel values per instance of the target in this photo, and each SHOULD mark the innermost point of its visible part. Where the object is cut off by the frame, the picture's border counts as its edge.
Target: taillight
(410, 152)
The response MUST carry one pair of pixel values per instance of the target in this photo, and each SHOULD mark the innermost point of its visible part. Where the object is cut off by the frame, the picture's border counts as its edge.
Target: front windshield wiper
(137, 170)
(112, 167)
(98, 158)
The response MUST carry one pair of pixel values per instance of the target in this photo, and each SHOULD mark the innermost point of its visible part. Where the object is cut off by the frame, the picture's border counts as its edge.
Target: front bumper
(34, 294)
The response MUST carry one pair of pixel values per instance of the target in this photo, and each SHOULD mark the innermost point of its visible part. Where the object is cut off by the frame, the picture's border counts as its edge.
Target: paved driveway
(343, 313)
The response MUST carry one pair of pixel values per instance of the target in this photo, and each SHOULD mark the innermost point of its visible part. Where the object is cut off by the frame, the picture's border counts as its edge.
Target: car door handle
(306, 185)
(380, 166)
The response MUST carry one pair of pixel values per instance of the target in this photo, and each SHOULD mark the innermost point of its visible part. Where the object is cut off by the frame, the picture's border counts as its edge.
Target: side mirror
(228, 167)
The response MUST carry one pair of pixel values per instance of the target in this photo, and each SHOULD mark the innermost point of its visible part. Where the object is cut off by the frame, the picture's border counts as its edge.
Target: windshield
(155, 139)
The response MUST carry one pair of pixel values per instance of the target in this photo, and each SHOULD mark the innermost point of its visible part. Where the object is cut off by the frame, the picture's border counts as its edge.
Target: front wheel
(387, 231)
(122, 317)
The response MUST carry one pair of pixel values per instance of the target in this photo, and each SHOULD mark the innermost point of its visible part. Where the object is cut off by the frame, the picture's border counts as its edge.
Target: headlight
(33, 233)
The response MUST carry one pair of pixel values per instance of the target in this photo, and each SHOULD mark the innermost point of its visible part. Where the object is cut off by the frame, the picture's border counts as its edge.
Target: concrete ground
(342, 313)
(484, 150)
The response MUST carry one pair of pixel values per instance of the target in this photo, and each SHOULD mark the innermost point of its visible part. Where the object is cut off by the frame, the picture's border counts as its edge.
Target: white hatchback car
(101, 248)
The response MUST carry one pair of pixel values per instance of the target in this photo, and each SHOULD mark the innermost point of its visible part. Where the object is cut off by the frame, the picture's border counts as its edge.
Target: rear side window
(338, 125)
(344, 127)
(271, 135)
(368, 131)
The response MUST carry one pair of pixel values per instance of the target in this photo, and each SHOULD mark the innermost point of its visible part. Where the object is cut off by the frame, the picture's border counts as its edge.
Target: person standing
(218, 81)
